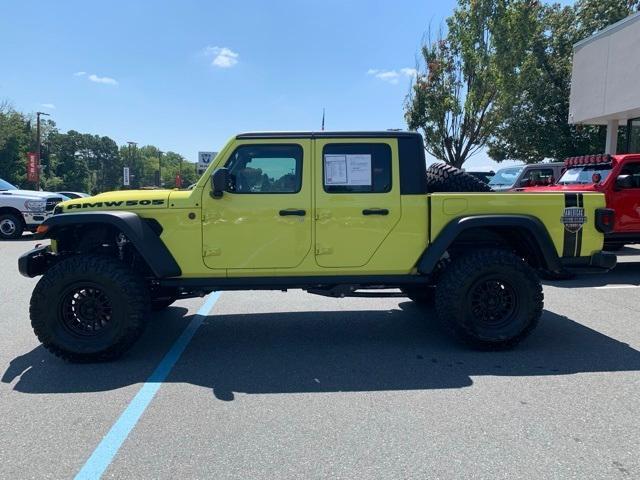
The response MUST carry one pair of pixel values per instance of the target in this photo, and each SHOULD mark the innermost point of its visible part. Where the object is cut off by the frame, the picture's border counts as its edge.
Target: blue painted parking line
(106, 450)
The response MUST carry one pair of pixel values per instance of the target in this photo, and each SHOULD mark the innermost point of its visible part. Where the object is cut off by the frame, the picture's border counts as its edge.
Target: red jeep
(618, 177)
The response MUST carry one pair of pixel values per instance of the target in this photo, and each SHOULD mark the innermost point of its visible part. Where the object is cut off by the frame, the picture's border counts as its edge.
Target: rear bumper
(35, 262)
(597, 263)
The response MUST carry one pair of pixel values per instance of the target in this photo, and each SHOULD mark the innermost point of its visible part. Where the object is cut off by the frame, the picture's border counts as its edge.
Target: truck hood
(562, 188)
(30, 194)
(119, 200)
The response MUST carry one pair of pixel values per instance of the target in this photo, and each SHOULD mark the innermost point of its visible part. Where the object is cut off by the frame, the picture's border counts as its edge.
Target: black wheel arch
(524, 234)
(144, 235)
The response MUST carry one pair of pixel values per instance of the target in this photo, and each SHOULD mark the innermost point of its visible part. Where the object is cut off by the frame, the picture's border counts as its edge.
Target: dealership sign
(204, 160)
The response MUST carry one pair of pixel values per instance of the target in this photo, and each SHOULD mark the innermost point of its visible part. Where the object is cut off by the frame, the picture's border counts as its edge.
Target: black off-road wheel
(89, 308)
(422, 295)
(490, 298)
(11, 226)
(446, 178)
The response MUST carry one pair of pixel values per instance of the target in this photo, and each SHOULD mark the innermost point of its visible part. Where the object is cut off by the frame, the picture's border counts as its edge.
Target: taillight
(605, 218)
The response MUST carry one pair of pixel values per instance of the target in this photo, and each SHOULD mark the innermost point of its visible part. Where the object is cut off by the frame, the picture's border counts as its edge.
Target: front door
(357, 199)
(626, 200)
(263, 220)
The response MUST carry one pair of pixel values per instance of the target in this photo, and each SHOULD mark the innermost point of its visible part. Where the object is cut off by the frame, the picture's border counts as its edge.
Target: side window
(356, 168)
(265, 169)
(538, 177)
(629, 176)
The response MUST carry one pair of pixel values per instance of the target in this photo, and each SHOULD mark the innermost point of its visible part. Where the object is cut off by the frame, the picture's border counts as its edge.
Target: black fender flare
(537, 230)
(139, 233)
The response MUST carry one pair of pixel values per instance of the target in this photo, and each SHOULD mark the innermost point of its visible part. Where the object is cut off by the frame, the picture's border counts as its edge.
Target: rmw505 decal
(119, 203)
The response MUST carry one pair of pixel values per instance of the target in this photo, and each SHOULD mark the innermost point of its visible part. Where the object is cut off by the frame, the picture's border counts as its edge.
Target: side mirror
(623, 182)
(525, 182)
(219, 182)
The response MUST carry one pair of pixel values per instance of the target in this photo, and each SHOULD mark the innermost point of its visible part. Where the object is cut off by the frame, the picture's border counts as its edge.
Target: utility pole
(160, 168)
(38, 148)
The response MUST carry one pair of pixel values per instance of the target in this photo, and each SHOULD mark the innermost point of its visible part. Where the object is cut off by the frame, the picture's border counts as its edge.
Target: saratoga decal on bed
(119, 203)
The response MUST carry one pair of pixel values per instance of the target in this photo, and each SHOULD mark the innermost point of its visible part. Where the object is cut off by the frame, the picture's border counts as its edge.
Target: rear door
(357, 198)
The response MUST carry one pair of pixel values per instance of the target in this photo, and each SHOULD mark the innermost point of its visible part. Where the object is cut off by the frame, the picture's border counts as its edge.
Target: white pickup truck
(22, 210)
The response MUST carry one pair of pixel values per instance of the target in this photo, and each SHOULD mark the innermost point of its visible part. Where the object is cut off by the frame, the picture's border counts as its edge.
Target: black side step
(342, 291)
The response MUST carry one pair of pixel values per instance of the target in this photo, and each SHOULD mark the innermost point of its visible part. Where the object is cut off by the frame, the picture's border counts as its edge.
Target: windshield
(505, 177)
(583, 174)
(6, 186)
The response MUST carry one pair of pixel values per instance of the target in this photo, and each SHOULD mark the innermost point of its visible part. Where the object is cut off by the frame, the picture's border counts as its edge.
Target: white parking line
(106, 450)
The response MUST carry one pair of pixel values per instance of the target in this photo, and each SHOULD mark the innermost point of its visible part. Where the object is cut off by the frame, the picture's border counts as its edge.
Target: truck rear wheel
(11, 226)
(446, 178)
(490, 298)
(89, 308)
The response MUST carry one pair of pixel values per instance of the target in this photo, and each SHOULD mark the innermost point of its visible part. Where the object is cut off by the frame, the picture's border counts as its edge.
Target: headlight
(35, 205)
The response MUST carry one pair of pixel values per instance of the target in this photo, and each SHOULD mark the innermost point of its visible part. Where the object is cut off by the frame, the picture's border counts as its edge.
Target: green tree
(535, 124)
(457, 98)
(15, 142)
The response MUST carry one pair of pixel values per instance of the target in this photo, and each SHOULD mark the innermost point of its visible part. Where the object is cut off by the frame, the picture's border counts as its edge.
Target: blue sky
(187, 75)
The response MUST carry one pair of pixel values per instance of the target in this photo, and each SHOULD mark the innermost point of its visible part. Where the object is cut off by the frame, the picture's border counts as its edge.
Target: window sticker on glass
(347, 169)
(335, 170)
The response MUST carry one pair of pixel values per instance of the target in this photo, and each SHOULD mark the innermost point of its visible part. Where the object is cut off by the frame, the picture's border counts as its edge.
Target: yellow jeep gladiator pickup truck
(333, 213)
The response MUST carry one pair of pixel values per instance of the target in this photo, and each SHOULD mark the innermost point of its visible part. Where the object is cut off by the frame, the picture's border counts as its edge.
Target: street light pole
(38, 148)
(131, 144)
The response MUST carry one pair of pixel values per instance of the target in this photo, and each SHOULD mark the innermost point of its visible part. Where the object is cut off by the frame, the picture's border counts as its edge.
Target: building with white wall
(605, 83)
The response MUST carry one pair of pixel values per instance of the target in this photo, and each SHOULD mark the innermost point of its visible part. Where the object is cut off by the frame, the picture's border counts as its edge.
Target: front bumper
(35, 262)
(597, 263)
(35, 218)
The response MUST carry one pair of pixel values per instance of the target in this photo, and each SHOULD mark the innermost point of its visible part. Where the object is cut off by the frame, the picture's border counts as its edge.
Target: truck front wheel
(89, 308)
(11, 226)
(490, 298)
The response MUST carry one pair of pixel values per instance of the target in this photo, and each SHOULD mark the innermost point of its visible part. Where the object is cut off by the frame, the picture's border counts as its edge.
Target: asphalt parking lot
(291, 385)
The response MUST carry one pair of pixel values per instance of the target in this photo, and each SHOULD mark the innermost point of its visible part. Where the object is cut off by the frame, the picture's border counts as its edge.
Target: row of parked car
(617, 176)
(24, 210)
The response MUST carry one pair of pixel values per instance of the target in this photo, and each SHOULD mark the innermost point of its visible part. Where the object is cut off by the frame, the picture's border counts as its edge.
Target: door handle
(292, 212)
(375, 211)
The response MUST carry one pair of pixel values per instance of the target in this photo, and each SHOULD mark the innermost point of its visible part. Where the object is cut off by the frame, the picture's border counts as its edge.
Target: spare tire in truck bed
(446, 178)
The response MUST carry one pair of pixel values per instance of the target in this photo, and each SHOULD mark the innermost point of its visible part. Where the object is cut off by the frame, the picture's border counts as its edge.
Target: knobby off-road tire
(11, 226)
(489, 298)
(446, 178)
(89, 308)
(422, 295)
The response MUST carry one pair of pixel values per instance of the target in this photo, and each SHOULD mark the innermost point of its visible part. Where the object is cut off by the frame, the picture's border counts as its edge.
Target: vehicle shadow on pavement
(627, 273)
(335, 351)
(38, 371)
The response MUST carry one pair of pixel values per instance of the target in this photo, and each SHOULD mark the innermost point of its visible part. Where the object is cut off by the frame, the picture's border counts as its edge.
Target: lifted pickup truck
(337, 214)
(618, 177)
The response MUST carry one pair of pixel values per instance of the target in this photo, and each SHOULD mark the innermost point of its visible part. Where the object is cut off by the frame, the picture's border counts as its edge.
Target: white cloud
(392, 76)
(106, 80)
(223, 57)
(50, 106)
(409, 72)
(79, 74)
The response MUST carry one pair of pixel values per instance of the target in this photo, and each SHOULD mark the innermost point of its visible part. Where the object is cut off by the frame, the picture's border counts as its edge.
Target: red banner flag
(33, 170)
